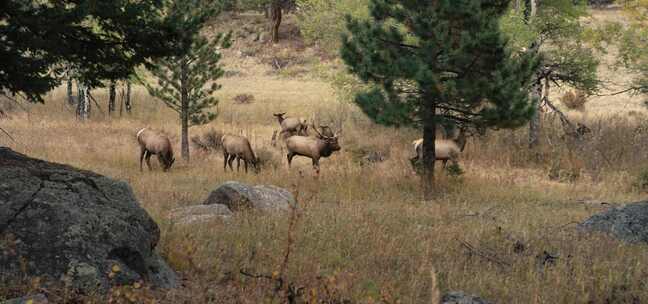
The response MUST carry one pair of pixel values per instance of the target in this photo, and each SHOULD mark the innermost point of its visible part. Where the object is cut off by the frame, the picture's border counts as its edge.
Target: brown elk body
(152, 142)
(291, 126)
(444, 149)
(313, 148)
(239, 148)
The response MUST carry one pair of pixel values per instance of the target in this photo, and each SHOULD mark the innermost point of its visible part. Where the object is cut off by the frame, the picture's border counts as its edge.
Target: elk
(292, 126)
(313, 148)
(153, 142)
(444, 149)
(238, 147)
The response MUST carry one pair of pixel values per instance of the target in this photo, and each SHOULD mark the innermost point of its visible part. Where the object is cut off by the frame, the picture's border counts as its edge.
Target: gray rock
(459, 297)
(628, 223)
(38, 298)
(74, 226)
(199, 214)
(238, 196)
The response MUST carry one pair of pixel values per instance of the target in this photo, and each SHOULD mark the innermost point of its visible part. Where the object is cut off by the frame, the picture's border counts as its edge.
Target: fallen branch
(8, 135)
(477, 252)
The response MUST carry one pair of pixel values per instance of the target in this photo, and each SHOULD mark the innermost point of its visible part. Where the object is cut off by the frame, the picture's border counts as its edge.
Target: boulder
(459, 297)
(38, 298)
(628, 223)
(199, 214)
(73, 226)
(239, 196)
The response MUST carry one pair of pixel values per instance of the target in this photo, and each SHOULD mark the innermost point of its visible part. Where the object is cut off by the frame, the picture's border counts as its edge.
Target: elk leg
(445, 162)
(225, 157)
(147, 157)
(230, 161)
(238, 163)
(162, 161)
(245, 163)
(142, 152)
(290, 157)
(316, 166)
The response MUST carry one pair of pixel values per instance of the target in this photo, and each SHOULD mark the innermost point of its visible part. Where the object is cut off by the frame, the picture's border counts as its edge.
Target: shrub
(574, 100)
(322, 21)
(641, 181)
(209, 141)
(267, 159)
(243, 99)
(565, 171)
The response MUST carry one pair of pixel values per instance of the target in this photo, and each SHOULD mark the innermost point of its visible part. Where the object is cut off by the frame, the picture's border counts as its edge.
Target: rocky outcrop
(239, 196)
(74, 226)
(628, 223)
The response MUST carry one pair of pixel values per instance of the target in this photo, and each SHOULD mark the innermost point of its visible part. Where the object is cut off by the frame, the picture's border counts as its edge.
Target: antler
(316, 131)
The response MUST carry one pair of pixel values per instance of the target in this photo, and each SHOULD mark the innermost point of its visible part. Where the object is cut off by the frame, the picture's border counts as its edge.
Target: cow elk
(444, 149)
(239, 148)
(152, 142)
(312, 147)
(291, 126)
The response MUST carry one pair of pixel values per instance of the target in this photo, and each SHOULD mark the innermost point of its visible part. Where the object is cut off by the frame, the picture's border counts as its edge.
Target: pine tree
(438, 61)
(40, 39)
(186, 82)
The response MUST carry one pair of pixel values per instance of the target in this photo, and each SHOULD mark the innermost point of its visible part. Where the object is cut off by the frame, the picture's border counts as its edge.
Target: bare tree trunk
(184, 112)
(112, 95)
(121, 102)
(517, 4)
(70, 94)
(429, 157)
(129, 105)
(276, 20)
(534, 124)
(83, 105)
(530, 10)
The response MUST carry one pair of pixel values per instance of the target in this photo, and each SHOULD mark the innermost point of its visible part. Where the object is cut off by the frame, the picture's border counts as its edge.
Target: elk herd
(294, 132)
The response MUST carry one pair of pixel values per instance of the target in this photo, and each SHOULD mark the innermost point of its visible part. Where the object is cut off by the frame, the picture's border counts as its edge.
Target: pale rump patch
(140, 132)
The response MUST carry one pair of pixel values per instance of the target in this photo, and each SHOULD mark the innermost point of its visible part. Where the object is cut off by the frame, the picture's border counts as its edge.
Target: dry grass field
(361, 233)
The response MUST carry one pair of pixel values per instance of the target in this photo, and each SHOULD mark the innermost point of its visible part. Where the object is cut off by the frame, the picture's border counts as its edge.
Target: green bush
(322, 21)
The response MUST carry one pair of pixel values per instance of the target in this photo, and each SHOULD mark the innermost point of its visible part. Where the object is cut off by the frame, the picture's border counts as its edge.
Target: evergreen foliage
(99, 39)
(447, 53)
(438, 61)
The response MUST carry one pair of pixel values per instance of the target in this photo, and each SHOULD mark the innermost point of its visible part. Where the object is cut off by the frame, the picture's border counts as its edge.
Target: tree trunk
(517, 4)
(429, 157)
(184, 112)
(129, 105)
(83, 103)
(121, 102)
(276, 20)
(534, 124)
(530, 9)
(70, 94)
(112, 95)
